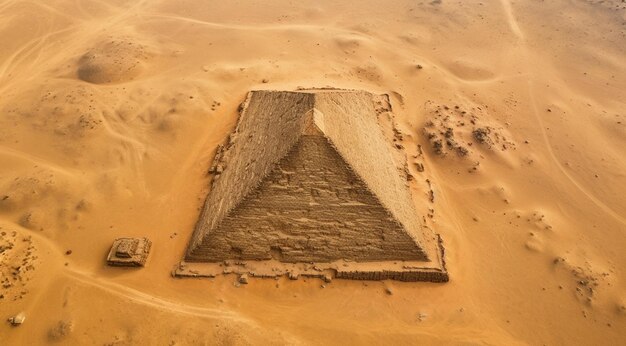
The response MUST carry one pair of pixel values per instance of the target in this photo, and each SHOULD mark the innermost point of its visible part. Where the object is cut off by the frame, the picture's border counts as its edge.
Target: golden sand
(111, 112)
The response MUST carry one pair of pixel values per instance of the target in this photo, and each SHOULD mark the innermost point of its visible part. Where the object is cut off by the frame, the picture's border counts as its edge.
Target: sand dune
(511, 117)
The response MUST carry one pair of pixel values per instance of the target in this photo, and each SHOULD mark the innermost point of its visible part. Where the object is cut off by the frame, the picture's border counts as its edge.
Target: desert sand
(511, 114)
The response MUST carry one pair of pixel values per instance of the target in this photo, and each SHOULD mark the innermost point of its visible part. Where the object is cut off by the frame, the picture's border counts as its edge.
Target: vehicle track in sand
(134, 295)
(55, 255)
(515, 28)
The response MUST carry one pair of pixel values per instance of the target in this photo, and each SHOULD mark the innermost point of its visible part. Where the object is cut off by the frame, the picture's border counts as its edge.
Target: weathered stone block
(129, 252)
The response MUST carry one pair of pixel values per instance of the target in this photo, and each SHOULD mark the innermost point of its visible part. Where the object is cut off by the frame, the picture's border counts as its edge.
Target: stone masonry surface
(309, 177)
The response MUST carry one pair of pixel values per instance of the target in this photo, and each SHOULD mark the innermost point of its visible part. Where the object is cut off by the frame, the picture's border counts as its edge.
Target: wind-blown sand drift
(307, 178)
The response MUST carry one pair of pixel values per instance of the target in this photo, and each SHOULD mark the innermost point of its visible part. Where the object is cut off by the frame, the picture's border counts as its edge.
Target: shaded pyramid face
(308, 177)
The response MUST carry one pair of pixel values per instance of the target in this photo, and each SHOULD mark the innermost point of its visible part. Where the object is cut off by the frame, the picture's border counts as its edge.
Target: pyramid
(307, 185)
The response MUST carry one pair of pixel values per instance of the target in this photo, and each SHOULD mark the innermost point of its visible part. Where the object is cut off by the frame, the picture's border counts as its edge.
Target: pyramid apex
(314, 123)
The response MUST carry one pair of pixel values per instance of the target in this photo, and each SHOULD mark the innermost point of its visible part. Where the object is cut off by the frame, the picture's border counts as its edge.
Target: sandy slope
(110, 112)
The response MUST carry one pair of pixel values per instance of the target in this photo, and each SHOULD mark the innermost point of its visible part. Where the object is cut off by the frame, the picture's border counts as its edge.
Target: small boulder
(17, 319)
(243, 279)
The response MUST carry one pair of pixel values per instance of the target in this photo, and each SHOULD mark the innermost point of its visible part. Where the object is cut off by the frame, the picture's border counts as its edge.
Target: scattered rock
(456, 130)
(60, 330)
(481, 135)
(17, 319)
(17, 263)
(68, 252)
(438, 147)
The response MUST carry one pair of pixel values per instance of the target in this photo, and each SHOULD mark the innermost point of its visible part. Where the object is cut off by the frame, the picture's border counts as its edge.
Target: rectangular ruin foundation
(129, 252)
(376, 271)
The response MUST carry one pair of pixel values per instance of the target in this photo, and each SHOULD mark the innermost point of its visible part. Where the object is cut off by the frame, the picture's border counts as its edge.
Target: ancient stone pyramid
(309, 177)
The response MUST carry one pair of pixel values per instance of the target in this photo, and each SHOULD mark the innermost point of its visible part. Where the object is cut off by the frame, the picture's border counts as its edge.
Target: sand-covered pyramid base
(307, 185)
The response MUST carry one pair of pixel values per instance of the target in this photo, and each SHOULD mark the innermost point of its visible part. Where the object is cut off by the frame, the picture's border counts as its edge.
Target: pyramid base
(434, 271)
(400, 271)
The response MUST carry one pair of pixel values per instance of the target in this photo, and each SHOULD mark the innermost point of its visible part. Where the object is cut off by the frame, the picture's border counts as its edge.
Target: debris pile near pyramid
(307, 185)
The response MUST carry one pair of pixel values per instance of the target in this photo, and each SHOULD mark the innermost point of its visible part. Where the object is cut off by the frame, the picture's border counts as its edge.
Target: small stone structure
(129, 252)
(307, 186)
